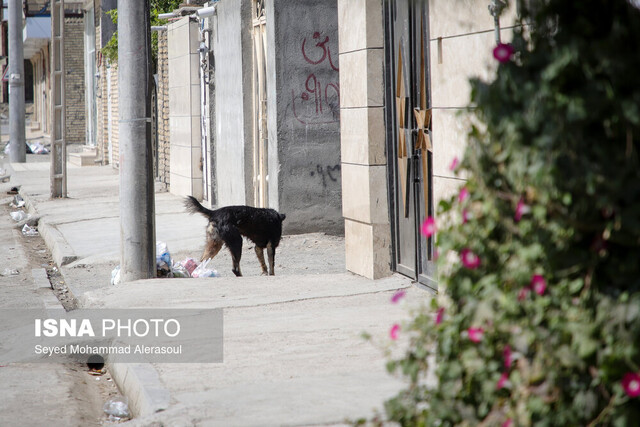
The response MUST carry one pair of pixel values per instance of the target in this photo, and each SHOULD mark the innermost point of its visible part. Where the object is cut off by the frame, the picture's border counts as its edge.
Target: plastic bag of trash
(117, 408)
(205, 269)
(9, 272)
(115, 276)
(17, 202)
(19, 215)
(179, 271)
(38, 148)
(163, 260)
(189, 264)
(29, 231)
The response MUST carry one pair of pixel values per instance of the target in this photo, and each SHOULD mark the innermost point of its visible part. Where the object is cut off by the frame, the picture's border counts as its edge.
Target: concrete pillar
(362, 133)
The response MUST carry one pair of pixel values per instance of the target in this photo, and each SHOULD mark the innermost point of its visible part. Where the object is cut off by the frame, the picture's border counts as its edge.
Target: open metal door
(408, 124)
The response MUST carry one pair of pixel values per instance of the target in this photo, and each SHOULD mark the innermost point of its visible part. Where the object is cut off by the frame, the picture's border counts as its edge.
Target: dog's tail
(193, 206)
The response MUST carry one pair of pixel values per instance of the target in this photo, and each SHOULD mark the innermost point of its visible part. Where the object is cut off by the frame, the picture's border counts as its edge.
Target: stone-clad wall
(364, 162)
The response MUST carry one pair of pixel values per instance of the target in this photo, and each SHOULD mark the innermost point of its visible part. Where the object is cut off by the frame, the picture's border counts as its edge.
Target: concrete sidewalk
(293, 352)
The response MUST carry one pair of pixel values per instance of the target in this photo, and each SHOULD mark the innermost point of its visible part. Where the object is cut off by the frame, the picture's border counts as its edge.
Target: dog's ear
(282, 217)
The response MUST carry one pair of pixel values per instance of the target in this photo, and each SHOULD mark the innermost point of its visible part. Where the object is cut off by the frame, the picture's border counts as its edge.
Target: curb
(140, 382)
(61, 251)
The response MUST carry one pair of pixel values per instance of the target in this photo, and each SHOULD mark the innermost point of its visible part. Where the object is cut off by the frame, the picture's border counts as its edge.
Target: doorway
(408, 124)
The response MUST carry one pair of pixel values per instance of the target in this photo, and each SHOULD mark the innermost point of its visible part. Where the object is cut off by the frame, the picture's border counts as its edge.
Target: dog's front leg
(271, 253)
(260, 255)
(232, 238)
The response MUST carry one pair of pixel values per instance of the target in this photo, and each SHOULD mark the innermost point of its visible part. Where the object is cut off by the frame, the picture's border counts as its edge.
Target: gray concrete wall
(232, 133)
(304, 114)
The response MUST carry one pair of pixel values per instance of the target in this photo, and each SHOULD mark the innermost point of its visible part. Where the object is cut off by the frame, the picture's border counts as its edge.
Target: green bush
(539, 321)
(110, 49)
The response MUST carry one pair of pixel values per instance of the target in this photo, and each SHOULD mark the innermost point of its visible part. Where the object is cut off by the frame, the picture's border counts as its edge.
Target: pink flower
(631, 384)
(463, 195)
(507, 423)
(523, 294)
(521, 209)
(538, 284)
(502, 381)
(398, 296)
(394, 332)
(475, 334)
(465, 216)
(454, 164)
(503, 52)
(428, 227)
(469, 259)
(507, 356)
(439, 315)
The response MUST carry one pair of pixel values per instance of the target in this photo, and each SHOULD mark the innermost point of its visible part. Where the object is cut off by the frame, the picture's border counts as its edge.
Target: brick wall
(163, 109)
(102, 140)
(107, 102)
(101, 111)
(74, 80)
(107, 98)
(112, 125)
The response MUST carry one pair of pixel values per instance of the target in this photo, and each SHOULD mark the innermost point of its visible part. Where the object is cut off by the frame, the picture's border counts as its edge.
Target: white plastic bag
(117, 408)
(189, 264)
(29, 231)
(205, 269)
(115, 276)
(163, 260)
(19, 215)
(179, 271)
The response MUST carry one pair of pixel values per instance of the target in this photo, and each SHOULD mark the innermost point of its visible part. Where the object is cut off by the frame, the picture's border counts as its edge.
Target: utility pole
(17, 150)
(137, 204)
(57, 102)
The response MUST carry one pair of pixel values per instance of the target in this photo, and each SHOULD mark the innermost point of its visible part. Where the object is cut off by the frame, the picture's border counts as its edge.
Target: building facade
(262, 127)
(343, 114)
(36, 42)
(405, 122)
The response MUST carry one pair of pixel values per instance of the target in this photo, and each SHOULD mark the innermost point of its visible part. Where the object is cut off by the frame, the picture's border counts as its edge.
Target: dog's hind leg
(271, 253)
(232, 238)
(260, 255)
(214, 243)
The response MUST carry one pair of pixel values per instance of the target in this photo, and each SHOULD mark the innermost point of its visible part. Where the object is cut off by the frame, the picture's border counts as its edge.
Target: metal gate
(408, 119)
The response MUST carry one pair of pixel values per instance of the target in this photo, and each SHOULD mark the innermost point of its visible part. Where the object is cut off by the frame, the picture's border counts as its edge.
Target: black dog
(227, 225)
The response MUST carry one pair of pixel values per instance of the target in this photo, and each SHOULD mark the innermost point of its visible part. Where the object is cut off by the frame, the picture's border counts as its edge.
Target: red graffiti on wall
(326, 51)
(317, 102)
